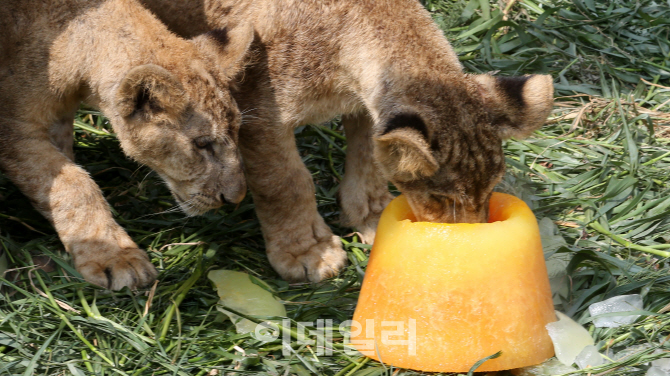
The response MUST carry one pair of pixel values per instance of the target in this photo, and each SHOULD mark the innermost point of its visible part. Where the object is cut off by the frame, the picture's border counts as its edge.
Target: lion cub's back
(29, 28)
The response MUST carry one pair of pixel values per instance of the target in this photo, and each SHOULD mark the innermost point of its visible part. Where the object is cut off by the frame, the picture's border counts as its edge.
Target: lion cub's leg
(364, 190)
(299, 244)
(65, 194)
(61, 135)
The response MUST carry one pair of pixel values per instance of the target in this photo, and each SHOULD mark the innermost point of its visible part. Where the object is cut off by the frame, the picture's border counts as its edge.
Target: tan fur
(168, 101)
(409, 155)
(411, 116)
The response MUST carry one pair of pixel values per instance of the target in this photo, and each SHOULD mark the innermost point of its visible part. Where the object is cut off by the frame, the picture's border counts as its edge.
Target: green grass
(599, 169)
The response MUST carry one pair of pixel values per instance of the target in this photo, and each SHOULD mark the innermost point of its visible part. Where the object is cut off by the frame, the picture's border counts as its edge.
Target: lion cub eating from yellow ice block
(410, 113)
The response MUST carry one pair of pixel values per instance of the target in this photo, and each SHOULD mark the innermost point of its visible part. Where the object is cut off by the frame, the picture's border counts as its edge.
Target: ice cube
(549, 368)
(659, 367)
(589, 357)
(655, 371)
(569, 338)
(663, 363)
(622, 303)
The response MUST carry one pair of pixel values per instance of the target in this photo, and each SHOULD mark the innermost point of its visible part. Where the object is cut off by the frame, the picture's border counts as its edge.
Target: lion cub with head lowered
(167, 99)
(410, 114)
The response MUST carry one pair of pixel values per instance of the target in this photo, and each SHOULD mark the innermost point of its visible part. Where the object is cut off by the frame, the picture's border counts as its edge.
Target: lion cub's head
(442, 148)
(181, 120)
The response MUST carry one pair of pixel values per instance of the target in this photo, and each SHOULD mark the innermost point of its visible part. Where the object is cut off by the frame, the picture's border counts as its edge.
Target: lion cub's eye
(202, 142)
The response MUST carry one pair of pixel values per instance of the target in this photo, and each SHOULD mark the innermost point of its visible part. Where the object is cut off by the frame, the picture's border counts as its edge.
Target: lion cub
(167, 99)
(410, 114)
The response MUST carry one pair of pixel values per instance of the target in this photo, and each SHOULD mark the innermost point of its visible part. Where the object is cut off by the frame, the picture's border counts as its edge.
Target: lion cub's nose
(233, 198)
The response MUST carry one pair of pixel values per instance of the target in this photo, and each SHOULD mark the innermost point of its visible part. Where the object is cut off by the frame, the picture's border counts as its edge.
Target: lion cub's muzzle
(234, 195)
(447, 211)
(200, 201)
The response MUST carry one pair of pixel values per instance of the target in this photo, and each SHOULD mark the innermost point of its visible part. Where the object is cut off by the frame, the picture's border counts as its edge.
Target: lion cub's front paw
(368, 230)
(322, 260)
(363, 214)
(114, 270)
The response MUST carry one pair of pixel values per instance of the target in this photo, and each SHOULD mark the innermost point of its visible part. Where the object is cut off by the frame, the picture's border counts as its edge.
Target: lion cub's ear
(403, 149)
(229, 46)
(518, 105)
(148, 91)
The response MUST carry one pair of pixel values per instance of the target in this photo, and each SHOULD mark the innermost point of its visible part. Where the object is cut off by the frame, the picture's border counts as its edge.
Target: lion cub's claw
(128, 267)
(368, 230)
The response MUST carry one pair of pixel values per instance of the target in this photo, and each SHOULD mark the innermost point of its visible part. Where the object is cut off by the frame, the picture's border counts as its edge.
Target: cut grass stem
(178, 297)
(57, 310)
(626, 243)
